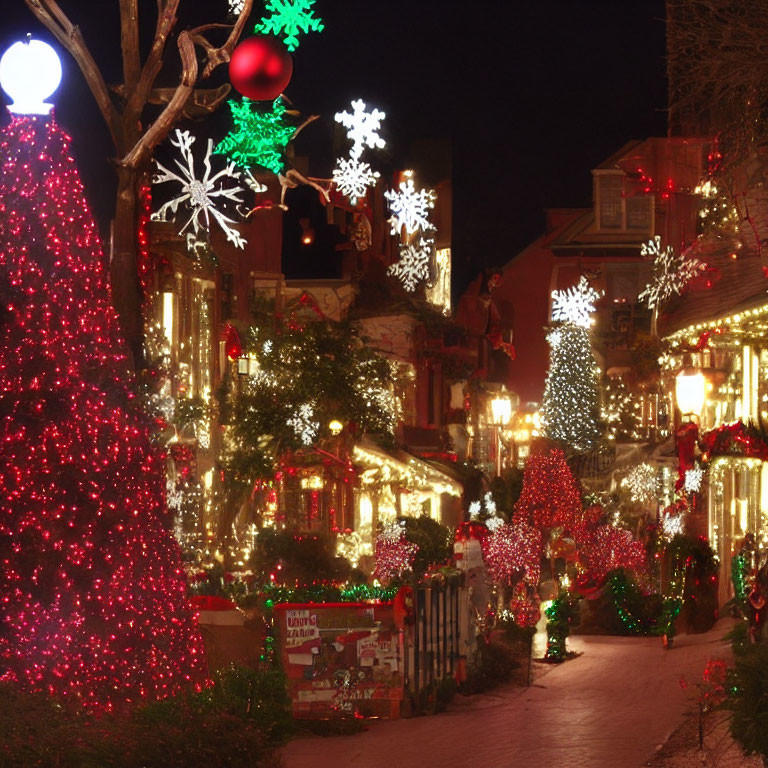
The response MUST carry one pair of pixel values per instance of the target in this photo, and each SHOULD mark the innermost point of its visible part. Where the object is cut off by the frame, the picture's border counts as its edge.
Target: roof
(739, 284)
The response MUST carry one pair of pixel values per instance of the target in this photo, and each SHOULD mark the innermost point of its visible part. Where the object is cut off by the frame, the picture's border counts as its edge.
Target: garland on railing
(327, 593)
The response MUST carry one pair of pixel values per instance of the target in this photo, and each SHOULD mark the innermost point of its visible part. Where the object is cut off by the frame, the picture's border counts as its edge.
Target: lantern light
(30, 72)
(690, 392)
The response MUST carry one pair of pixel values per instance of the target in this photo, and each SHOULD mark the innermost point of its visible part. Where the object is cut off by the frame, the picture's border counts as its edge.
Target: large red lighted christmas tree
(92, 594)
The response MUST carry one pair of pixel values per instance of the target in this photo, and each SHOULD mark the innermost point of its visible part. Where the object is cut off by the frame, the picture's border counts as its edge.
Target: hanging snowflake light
(201, 195)
(290, 18)
(410, 209)
(362, 128)
(489, 503)
(413, 267)
(259, 137)
(475, 508)
(576, 304)
(642, 481)
(693, 478)
(672, 524)
(305, 428)
(494, 523)
(671, 273)
(236, 7)
(352, 178)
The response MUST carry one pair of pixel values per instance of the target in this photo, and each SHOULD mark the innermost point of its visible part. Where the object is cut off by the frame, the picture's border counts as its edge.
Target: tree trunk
(126, 290)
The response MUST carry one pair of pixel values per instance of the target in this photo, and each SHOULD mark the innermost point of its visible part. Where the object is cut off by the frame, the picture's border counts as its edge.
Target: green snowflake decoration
(259, 137)
(291, 18)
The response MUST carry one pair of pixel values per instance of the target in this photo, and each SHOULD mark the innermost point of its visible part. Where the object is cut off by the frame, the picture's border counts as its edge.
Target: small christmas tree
(571, 396)
(94, 600)
(550, 496)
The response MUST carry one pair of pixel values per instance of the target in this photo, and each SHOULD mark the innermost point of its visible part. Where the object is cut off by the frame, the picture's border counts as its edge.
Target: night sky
(529, 97)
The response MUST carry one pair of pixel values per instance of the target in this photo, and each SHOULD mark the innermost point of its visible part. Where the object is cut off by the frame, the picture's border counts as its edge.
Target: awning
(382, 466)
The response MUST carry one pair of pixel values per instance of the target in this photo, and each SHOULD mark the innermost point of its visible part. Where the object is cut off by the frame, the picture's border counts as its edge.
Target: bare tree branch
(129, 43)
(160, 128)
(166, 20)
(54, 19)
(221, 55)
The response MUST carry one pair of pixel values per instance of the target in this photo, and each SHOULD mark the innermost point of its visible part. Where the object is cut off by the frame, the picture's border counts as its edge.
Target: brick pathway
(610, 708)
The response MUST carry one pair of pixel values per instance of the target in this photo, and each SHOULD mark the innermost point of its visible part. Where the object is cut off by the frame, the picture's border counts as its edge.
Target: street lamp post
(501, 415)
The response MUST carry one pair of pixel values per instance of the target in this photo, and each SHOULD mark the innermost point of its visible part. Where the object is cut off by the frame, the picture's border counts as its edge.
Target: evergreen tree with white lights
(571, 396)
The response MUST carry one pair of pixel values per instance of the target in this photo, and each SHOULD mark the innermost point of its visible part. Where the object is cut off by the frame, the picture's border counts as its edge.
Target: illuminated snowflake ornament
(303, 425)
(671, 273)
(693, 478)
(672, 525)
(410, 209)
(413, 267)
(474, 510)
(236, 7)
(362, 128)
(201, 195)
(290, 18)
(576, 304)
(642, 482)
(260, 135)
(352, 178)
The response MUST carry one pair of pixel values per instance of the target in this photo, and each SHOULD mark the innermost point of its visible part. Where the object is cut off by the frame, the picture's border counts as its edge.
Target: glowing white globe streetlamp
(30, 72)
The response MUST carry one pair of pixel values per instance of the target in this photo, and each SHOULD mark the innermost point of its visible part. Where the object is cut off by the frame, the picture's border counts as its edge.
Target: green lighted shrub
(749, 699)
(435, 541)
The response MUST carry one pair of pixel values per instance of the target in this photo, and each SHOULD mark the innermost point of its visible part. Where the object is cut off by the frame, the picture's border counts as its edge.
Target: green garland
(618, 588)
(739, 569)
(621, 588)
(559, 613)
(326, 593)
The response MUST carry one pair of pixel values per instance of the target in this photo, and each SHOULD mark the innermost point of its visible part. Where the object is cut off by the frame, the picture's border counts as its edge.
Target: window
(639, 213)
(610, 191)
(616, 210)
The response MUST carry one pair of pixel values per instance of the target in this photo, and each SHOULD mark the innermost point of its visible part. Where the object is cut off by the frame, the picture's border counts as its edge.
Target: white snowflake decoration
(490, 504)
(672, 525)
(575, 304)
(201, 195)
(671, 273)
(267, 346)
(474, 510)
(236, 7)
(392, 533)
(303, 426)
(493, 524)
(174, 497)
(693, 478)
(642, 482)
(410, 209)
(362, 128)
(352, 178)
(413, 267)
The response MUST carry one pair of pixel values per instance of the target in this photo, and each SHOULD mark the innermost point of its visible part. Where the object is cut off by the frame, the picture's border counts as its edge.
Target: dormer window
(615, 210)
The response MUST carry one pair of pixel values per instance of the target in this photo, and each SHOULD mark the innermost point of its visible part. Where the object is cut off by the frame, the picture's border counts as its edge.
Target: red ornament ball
(260, 68)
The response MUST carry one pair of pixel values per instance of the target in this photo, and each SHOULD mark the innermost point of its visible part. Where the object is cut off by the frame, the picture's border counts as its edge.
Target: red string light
(550, 496)
(93, 599)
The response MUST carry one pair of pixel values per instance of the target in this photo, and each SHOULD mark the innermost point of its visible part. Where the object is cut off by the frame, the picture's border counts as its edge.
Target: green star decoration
(259, 137)
(291, 18)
